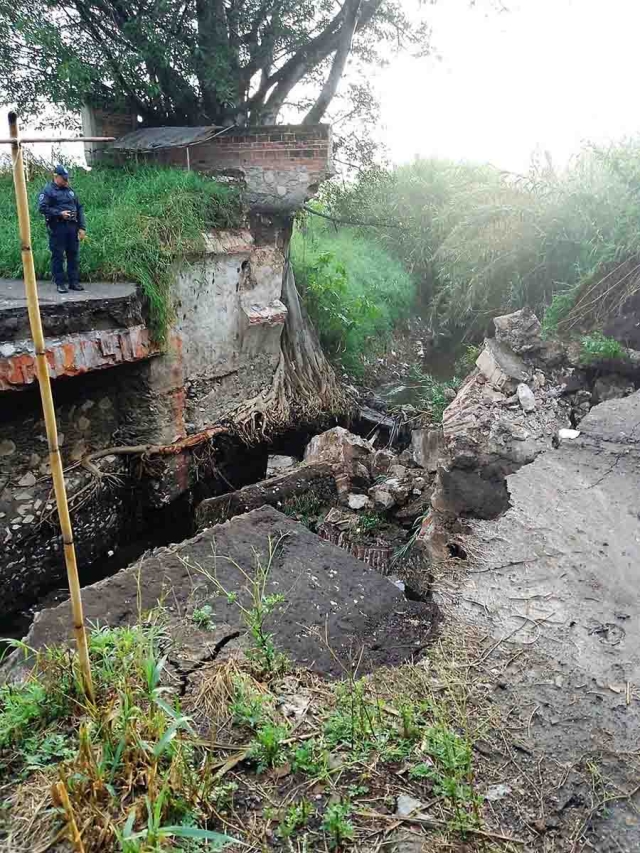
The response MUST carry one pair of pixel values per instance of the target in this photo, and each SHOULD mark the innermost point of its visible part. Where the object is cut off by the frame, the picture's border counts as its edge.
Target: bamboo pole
(35, 321)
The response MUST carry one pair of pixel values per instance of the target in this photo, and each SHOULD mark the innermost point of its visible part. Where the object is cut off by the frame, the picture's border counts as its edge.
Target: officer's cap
(60, 170)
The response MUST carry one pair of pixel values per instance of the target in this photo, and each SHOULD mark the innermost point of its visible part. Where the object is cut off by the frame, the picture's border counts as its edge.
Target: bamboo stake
(35, 321)
(60, 796)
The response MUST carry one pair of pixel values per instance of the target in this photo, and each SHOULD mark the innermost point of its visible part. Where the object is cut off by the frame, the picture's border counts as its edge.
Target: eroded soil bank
(502, 709)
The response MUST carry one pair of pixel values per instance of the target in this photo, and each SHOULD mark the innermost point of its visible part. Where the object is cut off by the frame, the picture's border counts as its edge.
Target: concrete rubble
(510, 409)
(324, 589)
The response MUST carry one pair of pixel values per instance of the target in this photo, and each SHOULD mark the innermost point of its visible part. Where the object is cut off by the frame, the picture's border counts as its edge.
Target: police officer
(66, 225)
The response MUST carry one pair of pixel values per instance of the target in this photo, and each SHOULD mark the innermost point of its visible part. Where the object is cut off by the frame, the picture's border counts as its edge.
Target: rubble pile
(522, 397)
(370, 479)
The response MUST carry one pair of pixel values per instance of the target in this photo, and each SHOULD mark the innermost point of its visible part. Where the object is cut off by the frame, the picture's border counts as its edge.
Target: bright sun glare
(543, 74)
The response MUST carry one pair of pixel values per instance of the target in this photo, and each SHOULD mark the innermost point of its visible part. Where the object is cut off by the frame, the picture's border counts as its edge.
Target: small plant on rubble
(202, 617)
(261, 604)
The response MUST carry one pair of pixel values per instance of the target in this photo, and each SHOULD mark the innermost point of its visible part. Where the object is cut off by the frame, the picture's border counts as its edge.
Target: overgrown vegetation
(138, 772)
(354, 291)
(480, 242)
(141, 223)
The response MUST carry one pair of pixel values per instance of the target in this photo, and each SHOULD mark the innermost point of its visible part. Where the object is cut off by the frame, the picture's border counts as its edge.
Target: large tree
(193, 61)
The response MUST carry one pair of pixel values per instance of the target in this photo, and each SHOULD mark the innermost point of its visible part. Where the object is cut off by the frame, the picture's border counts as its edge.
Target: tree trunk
(317, 111)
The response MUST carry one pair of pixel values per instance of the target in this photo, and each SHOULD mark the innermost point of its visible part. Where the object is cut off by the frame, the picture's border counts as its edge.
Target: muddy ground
(554, 585)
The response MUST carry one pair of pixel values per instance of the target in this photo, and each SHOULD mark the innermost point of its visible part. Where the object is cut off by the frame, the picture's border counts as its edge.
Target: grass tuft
(141, 224)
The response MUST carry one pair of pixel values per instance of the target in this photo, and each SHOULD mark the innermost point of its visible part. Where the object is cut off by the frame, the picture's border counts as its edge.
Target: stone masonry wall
(223, 348)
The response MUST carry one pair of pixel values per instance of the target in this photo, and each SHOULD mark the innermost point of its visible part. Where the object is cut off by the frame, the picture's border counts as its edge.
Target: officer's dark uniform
(63, 233)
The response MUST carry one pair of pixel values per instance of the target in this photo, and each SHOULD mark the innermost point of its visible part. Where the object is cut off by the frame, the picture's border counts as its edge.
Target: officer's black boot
(76, 286)
(62, 288)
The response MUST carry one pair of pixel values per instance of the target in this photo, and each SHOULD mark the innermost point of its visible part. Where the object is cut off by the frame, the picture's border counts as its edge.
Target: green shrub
(354, 291)
(480, 242)
(597, 347)
(140, 223)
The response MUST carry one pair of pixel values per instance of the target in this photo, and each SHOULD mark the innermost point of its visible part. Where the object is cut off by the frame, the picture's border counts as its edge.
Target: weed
(40, 750)
(248, 706)
(26, 707)
(466, 362)
(434, 395)
(261, 605)
(561, 305)
(306, 508)
(597, 347)
(295, 818)
(452, 752)
(370, 521)
(410, 729)
(337, 825)
(268, 748)
(312, 759)
(203, 617)
(223, 795)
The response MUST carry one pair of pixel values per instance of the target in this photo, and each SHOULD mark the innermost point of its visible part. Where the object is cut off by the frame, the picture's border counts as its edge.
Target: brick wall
(281, 165)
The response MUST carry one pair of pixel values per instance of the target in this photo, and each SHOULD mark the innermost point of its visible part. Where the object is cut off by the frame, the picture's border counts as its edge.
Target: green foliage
(248, 706)
(337, 825)
(311, 758)
(203, 617)
(466, 362)
(558, 310)
(39, 750)
(353, 290)
(259, 606)
(480, 242)
(370, 521)
(434, 395)
(306, 508)
(119, 56)
(295, 818)
(268, 748)
(136, 746)
(598, 347)
(23, 707)
(140, 224)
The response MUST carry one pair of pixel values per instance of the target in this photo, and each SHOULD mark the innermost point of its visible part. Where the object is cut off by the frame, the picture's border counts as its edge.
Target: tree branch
(325, 97)
(357, 222)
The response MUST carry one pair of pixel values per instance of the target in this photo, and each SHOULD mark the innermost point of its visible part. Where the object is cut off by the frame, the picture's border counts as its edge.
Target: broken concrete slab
(324, 589)
(501, 367)
(519, 331)
(272, 492)
(102, 305)
(278, 464)
(427, 446)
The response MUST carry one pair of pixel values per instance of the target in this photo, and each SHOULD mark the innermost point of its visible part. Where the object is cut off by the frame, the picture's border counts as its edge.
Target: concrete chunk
(501, 367)
(324, 589)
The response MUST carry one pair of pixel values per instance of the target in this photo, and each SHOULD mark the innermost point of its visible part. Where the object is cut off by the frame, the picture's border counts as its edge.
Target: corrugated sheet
(153, 138)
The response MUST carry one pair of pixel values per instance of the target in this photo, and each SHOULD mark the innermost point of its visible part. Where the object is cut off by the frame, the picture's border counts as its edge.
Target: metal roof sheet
(153, 138)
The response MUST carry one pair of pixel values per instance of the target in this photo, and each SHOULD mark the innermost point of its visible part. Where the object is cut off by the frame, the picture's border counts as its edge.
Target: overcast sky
(546, 74)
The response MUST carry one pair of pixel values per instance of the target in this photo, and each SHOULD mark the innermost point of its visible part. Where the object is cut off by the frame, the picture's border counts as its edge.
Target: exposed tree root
(304, 386)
